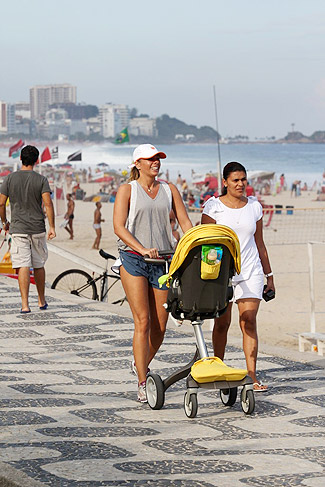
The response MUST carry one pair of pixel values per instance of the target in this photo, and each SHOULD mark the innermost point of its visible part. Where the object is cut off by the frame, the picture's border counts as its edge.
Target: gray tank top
(148, 219)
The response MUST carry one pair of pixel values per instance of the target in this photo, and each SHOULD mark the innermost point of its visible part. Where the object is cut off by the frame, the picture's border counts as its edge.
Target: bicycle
(80, 283)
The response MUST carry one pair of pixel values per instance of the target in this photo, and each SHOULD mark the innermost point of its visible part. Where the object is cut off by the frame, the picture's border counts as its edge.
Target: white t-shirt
(243, 222)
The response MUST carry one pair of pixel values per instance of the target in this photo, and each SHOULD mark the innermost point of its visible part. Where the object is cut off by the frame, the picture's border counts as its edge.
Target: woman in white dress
(244, 215)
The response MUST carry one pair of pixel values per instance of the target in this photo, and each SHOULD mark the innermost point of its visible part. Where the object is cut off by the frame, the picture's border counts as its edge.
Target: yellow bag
(211, 369)
(210, 271)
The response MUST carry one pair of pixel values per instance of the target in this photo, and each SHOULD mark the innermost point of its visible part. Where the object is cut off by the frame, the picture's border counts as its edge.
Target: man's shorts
(136, 266)
(28, 250)
(251, 288)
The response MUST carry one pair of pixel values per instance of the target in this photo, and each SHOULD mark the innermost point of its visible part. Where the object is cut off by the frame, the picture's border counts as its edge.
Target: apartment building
(7, 118)
(143, 126)
(42, 96)
(3, 117)
(113, 119)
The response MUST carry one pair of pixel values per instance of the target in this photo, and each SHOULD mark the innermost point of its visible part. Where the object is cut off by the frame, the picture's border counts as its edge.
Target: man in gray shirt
(27, 190)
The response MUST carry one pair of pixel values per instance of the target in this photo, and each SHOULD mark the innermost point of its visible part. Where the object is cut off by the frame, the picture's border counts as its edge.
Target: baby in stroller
(200, 288)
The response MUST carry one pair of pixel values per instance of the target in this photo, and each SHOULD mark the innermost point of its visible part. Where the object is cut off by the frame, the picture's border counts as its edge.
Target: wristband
(269, 274)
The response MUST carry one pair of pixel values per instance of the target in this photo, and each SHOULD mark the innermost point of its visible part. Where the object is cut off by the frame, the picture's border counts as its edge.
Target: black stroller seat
(192, 298)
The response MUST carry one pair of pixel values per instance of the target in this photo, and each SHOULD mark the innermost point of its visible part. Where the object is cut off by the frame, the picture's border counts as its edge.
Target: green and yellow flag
(122, 137)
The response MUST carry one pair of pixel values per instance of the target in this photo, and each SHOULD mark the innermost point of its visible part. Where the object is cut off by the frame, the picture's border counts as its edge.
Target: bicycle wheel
(77, 282)
(115, 291)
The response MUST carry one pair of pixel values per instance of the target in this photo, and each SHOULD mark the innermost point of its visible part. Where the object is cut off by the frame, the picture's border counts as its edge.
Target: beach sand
(279, 321)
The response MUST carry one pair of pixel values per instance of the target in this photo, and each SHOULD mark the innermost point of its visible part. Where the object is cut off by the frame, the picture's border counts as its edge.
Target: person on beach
(295, 188)
(70, 215)
(97, 225)
(27, 191)
(282, 182)
(141, 222)
(249, 190)
(244, 216)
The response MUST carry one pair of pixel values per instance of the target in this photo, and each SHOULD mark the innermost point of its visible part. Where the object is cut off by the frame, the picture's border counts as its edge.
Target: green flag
(122, 137)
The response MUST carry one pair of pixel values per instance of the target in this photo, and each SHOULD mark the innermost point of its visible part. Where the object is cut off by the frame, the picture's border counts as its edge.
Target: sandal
(260, 387)
(23, 312)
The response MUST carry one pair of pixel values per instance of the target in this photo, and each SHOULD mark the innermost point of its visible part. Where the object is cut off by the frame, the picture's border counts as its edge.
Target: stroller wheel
(228, 396)
(155, 391)
(190, 405)
(247, 399)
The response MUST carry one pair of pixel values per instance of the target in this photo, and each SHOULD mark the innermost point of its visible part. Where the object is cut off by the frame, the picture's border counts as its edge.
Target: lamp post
(218, 136)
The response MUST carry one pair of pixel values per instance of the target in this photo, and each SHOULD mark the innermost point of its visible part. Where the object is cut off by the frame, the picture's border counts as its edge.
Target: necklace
(239, 213)
(146, 188)
(239, 209)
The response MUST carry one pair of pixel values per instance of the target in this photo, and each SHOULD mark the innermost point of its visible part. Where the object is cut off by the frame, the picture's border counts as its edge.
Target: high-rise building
(113, 119)
(22, 109)
(41, 97)
(124, 114)
(11, 118)
(3, 117)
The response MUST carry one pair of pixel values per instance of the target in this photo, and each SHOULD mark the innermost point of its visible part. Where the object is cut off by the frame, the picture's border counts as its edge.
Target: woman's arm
(179, 209)
(120, 215)
(263, 255)
(207, 219)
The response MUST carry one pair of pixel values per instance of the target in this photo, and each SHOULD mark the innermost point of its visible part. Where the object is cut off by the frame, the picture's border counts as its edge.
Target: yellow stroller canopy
(203, 235)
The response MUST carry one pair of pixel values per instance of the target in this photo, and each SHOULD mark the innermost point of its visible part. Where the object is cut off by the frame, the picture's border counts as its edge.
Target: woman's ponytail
(134, 174)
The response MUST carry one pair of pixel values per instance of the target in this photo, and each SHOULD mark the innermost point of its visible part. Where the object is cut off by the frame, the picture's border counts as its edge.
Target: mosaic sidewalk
(69, 416)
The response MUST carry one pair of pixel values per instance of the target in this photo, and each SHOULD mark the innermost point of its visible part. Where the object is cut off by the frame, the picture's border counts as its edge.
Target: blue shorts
(136, 266)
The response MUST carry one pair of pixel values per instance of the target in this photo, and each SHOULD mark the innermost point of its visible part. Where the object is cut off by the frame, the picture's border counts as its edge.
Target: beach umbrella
(212, 182)
(198, 178)
(103, 179)
(103, 164)
(65, 165)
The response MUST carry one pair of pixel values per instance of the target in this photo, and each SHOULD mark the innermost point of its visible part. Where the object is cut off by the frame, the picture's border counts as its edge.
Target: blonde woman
(142, 224)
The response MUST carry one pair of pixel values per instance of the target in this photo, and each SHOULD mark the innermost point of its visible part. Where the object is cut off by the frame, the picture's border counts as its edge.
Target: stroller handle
(165, 256)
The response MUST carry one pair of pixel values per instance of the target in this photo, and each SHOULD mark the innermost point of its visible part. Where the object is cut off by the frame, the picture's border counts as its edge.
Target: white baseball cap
(146, 151)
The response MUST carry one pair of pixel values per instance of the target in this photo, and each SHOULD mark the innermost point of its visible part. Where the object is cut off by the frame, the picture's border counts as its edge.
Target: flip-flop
(45, 306)
(25, 312)
(260, 387)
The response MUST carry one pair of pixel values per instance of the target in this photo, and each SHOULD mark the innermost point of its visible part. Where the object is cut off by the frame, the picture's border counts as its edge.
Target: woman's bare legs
(248, 309)
(220, 331)
(158, 320)
(136, 290)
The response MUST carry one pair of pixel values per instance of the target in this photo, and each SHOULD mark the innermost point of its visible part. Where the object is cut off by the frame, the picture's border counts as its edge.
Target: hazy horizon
(265, 59)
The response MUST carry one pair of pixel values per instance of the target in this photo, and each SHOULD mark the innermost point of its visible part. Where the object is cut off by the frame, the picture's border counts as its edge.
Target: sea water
(305, 162)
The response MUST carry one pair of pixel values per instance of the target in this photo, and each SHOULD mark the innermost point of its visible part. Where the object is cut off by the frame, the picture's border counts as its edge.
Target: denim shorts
(136, 266)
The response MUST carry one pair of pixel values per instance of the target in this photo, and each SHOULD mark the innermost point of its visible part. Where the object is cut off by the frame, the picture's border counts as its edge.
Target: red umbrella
(5, 173)
(104, 179)
(212, 182)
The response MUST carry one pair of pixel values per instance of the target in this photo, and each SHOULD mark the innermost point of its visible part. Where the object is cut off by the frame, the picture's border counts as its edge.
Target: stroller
(199, 281)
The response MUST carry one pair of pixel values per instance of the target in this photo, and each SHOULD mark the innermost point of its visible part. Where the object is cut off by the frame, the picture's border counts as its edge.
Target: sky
(265, 58)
